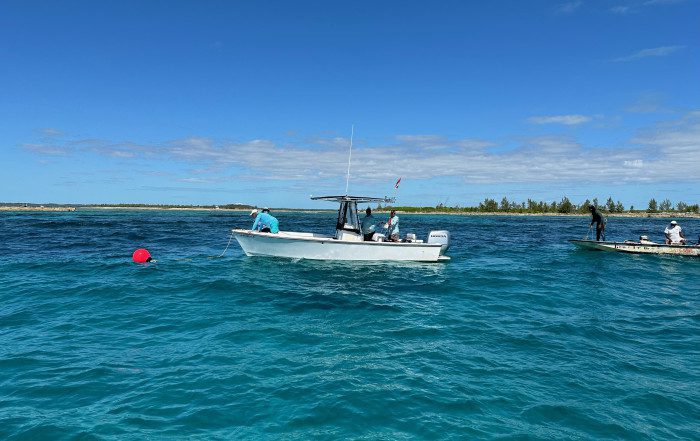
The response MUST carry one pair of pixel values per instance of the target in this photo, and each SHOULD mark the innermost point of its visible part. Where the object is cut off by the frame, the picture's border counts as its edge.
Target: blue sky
(224, 102)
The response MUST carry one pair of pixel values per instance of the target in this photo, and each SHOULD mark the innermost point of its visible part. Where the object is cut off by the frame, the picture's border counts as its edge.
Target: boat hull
(316, 247)
(638, 248)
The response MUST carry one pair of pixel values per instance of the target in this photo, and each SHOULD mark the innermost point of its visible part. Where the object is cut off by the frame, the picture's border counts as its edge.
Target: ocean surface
(519, 336)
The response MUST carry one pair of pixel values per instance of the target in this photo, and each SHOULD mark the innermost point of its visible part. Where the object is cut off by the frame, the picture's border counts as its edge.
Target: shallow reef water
(520, 335)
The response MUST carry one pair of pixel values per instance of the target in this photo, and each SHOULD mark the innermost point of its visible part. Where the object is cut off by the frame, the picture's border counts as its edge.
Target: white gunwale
(295, 235)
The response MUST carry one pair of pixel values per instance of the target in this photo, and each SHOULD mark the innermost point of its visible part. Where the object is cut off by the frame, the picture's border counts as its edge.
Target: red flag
(397, 183)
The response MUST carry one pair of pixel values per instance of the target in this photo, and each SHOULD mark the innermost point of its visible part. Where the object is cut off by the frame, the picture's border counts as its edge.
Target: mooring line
(229, 243)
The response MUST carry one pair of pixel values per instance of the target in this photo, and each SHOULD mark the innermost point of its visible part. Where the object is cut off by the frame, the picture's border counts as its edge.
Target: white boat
(347, 244)
(641, 247)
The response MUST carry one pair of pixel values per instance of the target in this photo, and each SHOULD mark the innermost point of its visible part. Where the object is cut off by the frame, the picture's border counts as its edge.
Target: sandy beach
(32, 208)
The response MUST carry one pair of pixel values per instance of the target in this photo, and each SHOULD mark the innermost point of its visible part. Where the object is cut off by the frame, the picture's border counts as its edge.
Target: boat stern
(441, 237)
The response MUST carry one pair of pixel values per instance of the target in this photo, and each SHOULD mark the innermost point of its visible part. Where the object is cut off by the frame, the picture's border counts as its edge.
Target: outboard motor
(442, 237)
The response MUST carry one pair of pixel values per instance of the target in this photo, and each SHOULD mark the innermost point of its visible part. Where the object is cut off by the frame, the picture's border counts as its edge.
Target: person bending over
(264, 222)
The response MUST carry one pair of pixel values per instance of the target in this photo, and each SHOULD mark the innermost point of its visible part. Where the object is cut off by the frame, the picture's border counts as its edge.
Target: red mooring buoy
(141, 256)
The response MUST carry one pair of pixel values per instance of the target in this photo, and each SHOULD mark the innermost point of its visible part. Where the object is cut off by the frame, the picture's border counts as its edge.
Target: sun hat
(254, 211)
(674, 223)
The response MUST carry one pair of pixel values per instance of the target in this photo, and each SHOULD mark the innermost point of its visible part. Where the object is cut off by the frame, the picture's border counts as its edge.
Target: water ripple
(519, 336)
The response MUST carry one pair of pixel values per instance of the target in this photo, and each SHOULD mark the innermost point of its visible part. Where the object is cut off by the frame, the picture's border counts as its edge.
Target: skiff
(629, 246)
(347, 243)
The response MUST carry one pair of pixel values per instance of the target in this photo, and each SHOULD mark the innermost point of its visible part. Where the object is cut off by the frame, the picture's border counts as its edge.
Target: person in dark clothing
(597, 218)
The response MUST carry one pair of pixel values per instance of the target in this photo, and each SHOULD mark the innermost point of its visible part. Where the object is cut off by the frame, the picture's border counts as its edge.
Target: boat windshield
(347, 217)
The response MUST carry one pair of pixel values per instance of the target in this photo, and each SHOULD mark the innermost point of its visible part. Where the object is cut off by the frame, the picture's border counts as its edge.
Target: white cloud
(675, 147)
(662, 2)
(569, 7)
(121, 154)
(170, 189)
(648, 102)
(50, 132)
(420, 139)
(435, 142)
(637, 6)
(665, 152)
(46, 149)
(661, 51)
(568, 120)
(620, 9)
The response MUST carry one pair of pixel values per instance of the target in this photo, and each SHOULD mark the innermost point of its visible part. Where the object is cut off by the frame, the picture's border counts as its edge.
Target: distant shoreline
(70, 208)
(21, 208)
(59, 208)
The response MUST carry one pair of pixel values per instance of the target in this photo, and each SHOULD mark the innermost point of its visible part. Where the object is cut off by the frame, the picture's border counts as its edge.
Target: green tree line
(564, 206)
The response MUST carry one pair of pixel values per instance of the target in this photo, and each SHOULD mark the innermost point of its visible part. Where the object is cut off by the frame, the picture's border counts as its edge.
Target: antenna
(347, 179)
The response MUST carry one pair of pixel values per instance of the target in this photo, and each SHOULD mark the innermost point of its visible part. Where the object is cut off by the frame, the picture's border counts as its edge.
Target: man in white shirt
(368, 225)
(674, 234)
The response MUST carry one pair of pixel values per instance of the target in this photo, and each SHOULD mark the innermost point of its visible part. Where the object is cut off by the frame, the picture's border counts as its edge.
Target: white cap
(674, 223)
(254, 211)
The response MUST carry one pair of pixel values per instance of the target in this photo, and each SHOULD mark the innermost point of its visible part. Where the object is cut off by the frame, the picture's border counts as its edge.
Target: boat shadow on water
(297, 285)
(356, 269)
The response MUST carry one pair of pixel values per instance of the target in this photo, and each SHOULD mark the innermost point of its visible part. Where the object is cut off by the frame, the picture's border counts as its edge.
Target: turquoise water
(520, 335)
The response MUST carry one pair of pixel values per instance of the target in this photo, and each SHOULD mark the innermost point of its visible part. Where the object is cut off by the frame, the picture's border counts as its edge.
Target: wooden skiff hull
(638, 248)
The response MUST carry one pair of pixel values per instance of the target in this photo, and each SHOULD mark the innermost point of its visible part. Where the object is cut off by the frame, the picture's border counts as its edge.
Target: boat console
(347, 235)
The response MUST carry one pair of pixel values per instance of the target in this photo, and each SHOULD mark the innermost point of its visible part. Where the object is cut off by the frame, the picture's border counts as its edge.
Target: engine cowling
(442, 237)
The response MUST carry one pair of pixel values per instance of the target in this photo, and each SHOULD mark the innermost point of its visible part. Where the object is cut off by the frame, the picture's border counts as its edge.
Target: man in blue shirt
(368, 225)
(264, 222)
